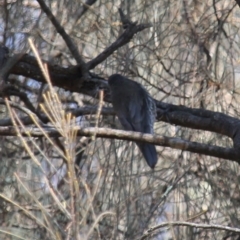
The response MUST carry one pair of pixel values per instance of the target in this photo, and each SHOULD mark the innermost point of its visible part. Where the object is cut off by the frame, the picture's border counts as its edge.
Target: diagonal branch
(72, 47)
(124, 38)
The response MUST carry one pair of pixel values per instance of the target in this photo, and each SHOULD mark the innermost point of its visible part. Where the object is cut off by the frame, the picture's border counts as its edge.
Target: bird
(136, 111)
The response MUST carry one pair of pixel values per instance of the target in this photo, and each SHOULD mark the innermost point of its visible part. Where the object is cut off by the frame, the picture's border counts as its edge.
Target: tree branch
(27, 120)
(175, 143)
(188, 224)
(125, 37)
(68, 79)
(238, 2)
(200, 119)
(72, 47)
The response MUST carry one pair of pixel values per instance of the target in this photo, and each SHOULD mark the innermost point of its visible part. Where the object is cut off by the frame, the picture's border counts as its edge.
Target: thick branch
(238, 2)
(176, 143)
(66, 78)
(201, 119)
(5, 70)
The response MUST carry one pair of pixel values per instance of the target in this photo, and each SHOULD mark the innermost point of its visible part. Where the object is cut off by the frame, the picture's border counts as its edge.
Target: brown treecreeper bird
(136, 111)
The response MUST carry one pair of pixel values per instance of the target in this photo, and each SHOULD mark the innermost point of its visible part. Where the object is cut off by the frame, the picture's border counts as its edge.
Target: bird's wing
(136, 115)
(126, 122)
(140, 114)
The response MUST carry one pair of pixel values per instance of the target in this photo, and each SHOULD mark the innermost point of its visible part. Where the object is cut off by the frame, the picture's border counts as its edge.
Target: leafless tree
(67, 171)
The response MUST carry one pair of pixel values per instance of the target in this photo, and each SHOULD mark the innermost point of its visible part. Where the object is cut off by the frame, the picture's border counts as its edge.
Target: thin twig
(188, 224)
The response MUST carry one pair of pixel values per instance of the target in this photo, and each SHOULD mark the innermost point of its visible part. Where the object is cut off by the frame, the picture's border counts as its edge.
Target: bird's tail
(149, 152)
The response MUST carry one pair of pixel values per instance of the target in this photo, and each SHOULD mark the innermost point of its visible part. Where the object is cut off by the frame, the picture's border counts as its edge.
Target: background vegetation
(63, 178)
